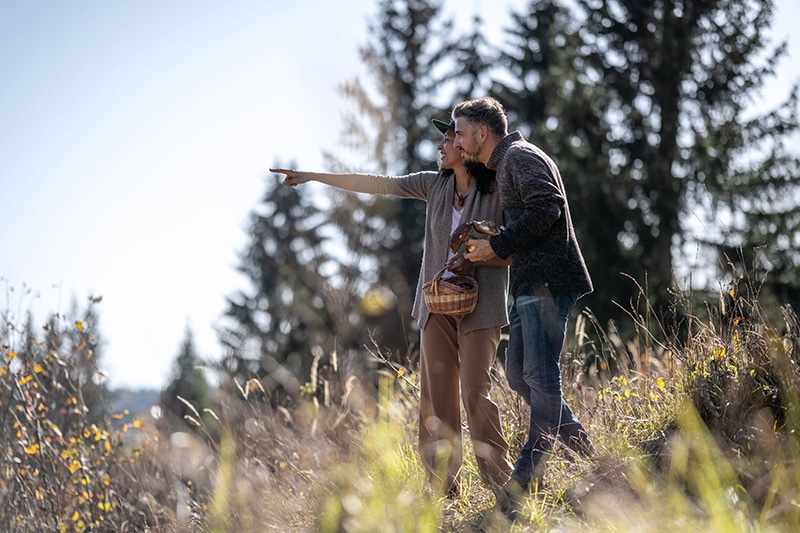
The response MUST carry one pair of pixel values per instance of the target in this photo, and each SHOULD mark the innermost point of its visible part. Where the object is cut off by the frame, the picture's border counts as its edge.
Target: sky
(136, 137)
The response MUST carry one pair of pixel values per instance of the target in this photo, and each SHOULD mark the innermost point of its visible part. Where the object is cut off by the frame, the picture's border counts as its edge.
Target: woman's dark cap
(444, 126)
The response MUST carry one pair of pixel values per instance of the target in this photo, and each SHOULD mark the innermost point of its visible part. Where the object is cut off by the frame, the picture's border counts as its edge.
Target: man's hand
(479, 251)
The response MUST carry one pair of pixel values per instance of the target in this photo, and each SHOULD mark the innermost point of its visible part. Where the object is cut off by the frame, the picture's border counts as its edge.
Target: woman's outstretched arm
(349, 182)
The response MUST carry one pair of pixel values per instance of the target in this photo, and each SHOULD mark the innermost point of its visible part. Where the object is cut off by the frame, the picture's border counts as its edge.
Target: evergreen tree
(57, 386)
(551, 98)
(28, 350)
(747, 179)
(409, 57)
(54, 379)
(83, 351)
(188, 383)
(63, 366)
(291, 314)
(410, 41)
(681, 76)
(473, 61)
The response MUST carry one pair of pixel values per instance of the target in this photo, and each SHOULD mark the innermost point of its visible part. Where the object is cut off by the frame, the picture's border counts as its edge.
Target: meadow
(695, 428)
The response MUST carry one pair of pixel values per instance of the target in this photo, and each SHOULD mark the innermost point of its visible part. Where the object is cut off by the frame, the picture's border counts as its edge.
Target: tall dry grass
(695, 428)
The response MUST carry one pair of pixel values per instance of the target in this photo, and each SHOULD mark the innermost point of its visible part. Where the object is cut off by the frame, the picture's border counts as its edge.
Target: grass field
(696, 431)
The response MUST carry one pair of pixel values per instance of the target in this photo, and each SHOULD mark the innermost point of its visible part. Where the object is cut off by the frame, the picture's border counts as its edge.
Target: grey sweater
(437, 191)
(539, 236)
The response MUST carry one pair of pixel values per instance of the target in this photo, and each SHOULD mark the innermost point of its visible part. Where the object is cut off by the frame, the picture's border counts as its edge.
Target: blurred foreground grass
(695, 431)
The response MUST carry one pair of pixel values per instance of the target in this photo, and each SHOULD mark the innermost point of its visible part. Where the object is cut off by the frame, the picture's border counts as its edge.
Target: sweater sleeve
(414, 185)
(539, 203)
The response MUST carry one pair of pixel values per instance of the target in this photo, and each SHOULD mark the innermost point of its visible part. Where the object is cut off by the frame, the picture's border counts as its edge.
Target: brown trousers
(457, 368)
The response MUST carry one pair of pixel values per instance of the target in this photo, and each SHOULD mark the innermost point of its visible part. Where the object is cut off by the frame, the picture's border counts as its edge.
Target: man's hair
(486, 111)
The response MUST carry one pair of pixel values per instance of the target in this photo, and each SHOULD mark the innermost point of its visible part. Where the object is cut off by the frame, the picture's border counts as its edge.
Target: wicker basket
(456, 295)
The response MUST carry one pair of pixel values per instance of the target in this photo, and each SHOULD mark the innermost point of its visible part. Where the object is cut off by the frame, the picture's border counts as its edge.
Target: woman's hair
(486, 111)
(483, 176)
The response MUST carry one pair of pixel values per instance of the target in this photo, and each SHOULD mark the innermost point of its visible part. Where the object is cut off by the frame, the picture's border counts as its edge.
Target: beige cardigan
(437, 191)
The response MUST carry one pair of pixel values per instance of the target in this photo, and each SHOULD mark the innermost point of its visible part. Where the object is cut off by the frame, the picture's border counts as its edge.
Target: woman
(456, 353)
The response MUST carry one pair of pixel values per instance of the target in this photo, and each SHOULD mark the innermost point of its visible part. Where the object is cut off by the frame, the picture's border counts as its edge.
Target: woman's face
(449, 156)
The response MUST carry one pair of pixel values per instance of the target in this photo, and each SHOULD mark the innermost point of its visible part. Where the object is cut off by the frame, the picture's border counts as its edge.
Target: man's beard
(469, 158)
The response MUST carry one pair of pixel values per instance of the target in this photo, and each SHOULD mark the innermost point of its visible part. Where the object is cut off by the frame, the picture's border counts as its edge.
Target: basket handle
(436, 280)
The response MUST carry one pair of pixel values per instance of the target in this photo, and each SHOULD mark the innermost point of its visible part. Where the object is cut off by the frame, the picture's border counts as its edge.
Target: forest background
(672, 177)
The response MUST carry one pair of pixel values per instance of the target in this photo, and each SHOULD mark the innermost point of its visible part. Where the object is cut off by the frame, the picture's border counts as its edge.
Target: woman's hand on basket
(459, 265)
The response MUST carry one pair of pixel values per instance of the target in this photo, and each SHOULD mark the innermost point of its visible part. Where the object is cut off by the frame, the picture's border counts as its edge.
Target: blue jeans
(537, 330)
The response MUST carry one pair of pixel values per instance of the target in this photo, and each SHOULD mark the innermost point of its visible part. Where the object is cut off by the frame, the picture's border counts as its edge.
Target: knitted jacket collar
(502, 147)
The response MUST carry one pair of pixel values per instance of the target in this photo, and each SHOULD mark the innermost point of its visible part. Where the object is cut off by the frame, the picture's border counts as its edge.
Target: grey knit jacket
(539, 236)
(492, 307)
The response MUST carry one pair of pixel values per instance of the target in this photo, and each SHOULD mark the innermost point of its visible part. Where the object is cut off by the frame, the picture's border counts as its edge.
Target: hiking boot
(508, 498)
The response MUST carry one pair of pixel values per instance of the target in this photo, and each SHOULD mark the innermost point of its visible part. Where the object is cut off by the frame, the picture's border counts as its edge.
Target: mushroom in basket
(462, 232)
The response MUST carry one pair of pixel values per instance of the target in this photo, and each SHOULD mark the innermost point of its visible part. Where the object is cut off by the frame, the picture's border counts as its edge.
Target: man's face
(467, 140)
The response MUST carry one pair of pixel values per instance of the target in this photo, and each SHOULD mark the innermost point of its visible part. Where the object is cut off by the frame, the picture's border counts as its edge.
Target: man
(548, 275)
